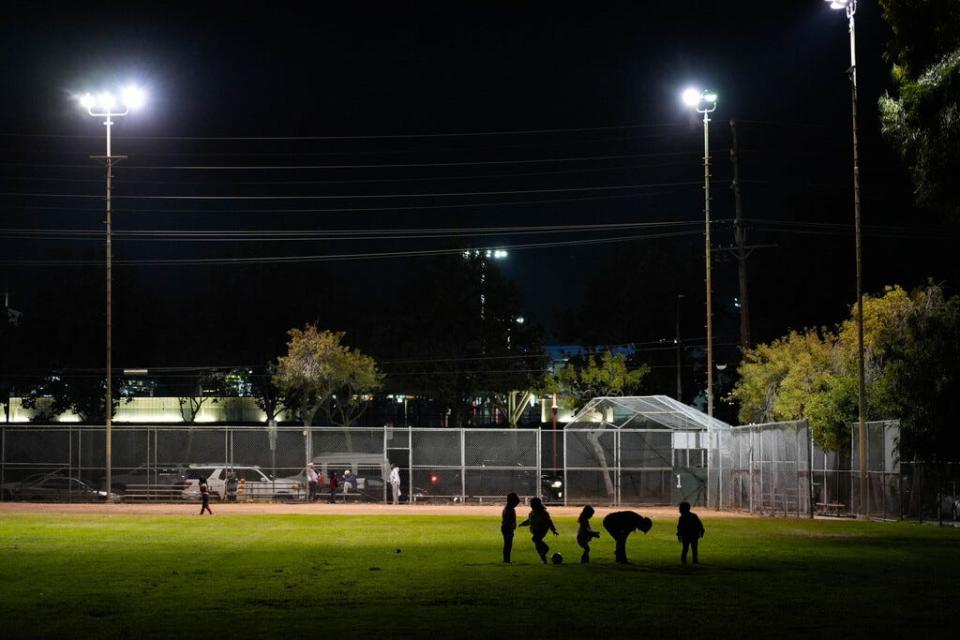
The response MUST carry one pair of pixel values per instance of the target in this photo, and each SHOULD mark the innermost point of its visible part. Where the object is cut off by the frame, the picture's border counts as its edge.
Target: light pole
(850, 6)
(705, 102)
(105, 105)
(676, 341)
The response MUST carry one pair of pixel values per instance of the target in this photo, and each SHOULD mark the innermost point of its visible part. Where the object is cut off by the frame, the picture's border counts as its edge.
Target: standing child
(585, 534)
(689, 532)
(540, 523)
(508, 524)
(204, 498)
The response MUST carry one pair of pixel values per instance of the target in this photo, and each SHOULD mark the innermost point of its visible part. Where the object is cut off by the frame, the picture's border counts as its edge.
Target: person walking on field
(312, 481)
(204, 498)
(540, 523)
(395, 483)
(689, 532)
(621, 524)
(508, 524)
(585, 534)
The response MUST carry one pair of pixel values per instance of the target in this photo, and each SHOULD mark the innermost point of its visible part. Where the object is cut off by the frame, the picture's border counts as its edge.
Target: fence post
(566, 475)
(537, 488)
(463, 466)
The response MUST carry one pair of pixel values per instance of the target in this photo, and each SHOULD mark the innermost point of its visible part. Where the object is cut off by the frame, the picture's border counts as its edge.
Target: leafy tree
(922, 118)
(464, 340)
(584, 378)
(206, 387)
(319, 367)
(924, 376)
(73, 391)
(268, 395)
(814, 374)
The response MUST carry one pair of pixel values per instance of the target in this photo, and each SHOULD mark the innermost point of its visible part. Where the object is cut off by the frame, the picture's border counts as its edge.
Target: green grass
(297, 577)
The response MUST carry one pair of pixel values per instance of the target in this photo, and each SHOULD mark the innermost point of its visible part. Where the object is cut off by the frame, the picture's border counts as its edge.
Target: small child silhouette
(585, 534)
(689, 532)
(508, 524)
(540, 523)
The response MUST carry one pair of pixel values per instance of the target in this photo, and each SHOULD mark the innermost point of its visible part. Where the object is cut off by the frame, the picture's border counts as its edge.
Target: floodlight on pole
(705, 102)
(850, 6)
(105, 105)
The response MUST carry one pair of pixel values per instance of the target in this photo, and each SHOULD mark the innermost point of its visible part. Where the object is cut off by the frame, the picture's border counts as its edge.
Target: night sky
(383, 118)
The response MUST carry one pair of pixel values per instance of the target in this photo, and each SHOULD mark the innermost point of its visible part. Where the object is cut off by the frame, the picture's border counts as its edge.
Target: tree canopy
(922, 117)
(320, 373)
(584, 378)
(912, 371)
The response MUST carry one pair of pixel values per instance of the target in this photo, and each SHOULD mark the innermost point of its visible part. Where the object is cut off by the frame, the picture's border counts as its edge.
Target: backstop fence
(602, 466)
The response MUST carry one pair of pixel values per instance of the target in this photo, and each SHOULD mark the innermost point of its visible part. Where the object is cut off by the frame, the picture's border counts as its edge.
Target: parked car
(61, 489)
(8, 489)
(254, 482)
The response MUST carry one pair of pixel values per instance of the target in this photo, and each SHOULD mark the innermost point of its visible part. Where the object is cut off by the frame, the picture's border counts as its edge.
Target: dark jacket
(508, 521)
(689, 527)
(624, 522)
(540, 523)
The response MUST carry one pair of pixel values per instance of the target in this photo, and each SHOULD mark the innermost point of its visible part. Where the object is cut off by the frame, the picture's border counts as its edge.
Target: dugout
(637, 450)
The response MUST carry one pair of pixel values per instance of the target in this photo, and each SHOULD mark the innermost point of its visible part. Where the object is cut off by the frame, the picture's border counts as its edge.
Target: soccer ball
(556, 558)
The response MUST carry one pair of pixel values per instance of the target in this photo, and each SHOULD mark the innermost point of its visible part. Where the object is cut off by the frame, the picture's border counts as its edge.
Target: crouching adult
(621, 524)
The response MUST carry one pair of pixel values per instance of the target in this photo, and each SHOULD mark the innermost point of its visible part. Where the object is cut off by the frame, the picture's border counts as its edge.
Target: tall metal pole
(706, 209)
(680, 296)
(740, 237)
(108, 405)
(861, 373)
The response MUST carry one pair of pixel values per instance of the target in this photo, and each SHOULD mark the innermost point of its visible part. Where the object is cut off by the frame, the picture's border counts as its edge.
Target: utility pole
(740, 237)
(680, 297)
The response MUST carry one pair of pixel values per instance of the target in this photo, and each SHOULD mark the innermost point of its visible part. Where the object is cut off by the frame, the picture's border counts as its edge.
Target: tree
(73, 391)
(268, 395)
(466, 338)
(924, 377)
(814, 374)
(584, 378)
(317, 367)
(922, 118)
(207, 386)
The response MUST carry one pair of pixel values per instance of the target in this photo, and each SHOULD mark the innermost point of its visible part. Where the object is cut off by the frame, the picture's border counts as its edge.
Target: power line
(339, 257)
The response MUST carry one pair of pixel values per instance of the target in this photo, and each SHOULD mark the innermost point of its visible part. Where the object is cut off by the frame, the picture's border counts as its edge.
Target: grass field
(320, 576)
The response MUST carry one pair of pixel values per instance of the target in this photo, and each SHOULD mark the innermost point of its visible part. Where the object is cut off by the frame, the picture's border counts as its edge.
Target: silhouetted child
(508, 524)
(585, 534)
(689, 532)
(204, 498)
(540, 523)
(621, 524)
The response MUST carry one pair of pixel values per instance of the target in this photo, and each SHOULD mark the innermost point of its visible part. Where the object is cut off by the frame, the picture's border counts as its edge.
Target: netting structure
(637, 450)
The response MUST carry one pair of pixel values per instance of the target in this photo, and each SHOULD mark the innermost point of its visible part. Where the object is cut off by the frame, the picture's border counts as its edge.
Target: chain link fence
(606, 466)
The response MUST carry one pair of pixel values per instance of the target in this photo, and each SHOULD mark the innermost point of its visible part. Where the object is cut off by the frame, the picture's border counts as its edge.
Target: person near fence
(231, 485)
(585, 534)
(540, 523)
(395, 483)
(312, 481)
(508, 524)
(349, 481)
(689, 532)
(204, 497)
(333, 486)
(621, 524)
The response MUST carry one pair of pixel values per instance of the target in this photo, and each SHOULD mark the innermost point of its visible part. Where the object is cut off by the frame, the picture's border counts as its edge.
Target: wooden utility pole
(740, 237)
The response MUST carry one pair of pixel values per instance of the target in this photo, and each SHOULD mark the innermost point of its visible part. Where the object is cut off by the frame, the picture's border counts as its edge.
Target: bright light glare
(87, 101)
(691, 97)
(710, 97)
(106, 100)
(133, 97)
(838, 4)
(500, 253)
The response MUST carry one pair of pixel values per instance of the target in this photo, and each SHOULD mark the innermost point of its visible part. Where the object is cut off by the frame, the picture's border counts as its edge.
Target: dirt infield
(317, 509)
